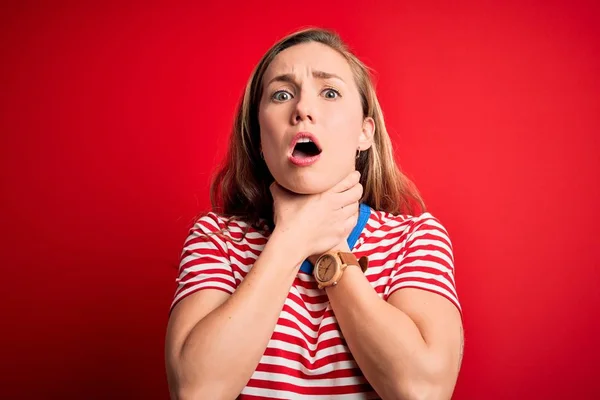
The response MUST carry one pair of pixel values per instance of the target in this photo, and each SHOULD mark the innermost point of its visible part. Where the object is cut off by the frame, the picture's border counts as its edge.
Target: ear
(365, 140)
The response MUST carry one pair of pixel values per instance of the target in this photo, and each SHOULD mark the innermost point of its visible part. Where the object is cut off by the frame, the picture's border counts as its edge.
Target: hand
(316, 223)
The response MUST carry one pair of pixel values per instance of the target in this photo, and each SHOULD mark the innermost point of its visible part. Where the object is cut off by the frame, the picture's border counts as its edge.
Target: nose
(304, 110)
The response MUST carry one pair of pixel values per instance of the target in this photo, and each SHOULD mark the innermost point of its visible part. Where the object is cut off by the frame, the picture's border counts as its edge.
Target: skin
(422, 362)
(297, 97)
(408, 347)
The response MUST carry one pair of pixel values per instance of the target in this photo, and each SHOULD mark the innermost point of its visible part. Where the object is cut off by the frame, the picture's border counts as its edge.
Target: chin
(307, 183)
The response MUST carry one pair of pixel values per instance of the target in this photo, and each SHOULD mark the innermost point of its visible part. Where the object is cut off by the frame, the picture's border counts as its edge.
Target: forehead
(304, 58)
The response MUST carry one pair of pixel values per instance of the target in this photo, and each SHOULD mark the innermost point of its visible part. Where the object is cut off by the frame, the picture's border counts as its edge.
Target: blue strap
(363, 217)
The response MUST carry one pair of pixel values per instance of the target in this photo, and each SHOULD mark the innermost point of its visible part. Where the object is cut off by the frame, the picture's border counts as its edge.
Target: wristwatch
(330, 267)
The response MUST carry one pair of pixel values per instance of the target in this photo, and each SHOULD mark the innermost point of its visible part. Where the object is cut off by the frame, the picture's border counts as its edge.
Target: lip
(305, 161)
(302, 135)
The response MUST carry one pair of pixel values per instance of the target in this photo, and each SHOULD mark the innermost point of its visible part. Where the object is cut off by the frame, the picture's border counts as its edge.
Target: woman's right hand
(316, 223)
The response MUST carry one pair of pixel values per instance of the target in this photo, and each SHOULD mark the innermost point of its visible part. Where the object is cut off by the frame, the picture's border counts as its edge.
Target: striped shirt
(307, 356)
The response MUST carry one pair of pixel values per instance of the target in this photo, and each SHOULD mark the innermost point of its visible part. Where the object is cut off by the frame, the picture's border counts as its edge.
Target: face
(311, 120)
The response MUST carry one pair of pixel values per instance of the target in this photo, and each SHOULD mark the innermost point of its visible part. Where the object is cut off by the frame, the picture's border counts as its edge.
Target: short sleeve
(204, 261)
(426, 261)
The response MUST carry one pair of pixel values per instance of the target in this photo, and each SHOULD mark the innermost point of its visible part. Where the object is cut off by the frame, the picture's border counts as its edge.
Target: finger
(350, 223)
(349, 181)
(350, 196)
(348, 211)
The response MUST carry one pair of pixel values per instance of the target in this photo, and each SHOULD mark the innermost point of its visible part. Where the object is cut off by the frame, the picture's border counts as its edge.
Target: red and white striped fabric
(307, 356)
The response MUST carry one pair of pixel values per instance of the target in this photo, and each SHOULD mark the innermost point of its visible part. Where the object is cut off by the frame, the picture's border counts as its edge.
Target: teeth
(304, 140)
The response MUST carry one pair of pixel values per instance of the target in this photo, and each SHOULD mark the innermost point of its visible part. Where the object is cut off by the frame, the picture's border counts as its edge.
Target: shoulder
(227, 227)
(403, 227)
(405, 223)
(210, 222)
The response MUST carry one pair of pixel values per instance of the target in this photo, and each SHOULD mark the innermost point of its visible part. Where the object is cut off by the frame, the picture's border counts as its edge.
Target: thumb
(347, 183)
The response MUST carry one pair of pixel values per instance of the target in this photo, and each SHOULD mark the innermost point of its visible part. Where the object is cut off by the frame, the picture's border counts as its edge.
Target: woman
(275, 298)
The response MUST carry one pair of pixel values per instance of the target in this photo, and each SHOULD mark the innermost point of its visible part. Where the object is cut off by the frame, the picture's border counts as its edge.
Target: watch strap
(350, 259)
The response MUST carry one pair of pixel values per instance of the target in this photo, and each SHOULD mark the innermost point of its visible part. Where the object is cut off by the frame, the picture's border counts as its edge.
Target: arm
(400, 358)
(410, 346)
(215, 340)
(213, 335)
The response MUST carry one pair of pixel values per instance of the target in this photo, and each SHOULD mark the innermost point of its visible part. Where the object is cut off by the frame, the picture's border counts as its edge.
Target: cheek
(343, 119)
(344, 131)
(268, 128)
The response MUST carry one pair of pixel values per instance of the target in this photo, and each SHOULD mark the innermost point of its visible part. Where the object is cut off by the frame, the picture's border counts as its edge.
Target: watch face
(326, 268)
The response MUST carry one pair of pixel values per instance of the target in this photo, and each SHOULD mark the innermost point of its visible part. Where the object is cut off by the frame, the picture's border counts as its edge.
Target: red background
(112, 118)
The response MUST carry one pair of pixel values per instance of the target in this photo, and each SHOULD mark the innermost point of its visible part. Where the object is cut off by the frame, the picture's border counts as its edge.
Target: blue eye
(331, 93)
(281, 95)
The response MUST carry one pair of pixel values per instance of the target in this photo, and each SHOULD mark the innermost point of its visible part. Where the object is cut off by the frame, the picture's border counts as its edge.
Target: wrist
(333, 265)
(285, 242)
(341, 247)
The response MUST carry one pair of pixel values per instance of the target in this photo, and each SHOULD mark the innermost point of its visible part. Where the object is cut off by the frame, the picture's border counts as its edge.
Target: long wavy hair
(240, 188)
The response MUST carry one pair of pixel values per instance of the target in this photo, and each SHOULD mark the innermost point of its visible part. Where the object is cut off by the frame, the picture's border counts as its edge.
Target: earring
(357, 153)
(262, 155)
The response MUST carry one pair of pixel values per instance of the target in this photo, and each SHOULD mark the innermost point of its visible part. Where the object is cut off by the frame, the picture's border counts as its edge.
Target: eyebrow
(316, 74)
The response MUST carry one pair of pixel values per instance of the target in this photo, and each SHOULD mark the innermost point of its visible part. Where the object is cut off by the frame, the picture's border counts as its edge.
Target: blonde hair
(240, 189)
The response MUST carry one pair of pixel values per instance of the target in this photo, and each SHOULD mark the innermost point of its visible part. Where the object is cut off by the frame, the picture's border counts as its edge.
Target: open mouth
(305, 148)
